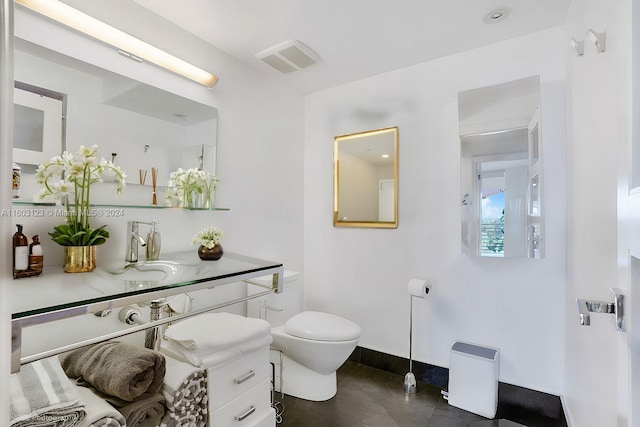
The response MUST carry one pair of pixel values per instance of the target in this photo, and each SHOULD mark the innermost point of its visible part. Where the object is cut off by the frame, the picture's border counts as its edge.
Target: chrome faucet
(134, 240)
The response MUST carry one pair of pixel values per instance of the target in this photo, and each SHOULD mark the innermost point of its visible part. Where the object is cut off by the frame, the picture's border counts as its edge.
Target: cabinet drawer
(248, 410)
(230, 381)
(266, 419)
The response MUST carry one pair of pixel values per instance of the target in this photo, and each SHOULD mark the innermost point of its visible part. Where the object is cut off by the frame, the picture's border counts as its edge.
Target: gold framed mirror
(365, 179)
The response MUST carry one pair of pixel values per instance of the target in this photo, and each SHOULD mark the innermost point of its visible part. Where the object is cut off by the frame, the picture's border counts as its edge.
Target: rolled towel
(99, 412)
(184, 385)
(117, 369)
(209, 333)
(184, 419)
(42, 395)
(146, 411)
(185, 393)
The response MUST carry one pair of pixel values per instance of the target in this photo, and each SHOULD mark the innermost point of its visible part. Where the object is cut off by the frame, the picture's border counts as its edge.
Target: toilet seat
(318, 326)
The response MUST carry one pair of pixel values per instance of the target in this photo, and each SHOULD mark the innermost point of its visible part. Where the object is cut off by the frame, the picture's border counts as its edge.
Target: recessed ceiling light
(497, 15)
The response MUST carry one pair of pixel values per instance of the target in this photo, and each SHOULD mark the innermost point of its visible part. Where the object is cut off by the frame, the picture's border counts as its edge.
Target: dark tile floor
(369, 397)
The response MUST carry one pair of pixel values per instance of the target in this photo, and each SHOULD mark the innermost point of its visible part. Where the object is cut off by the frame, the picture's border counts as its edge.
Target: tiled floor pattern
(369, 397)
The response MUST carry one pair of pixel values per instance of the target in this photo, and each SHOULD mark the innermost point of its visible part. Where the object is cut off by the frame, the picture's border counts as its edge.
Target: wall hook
(578, 45)
(585, 307)
(599, 39)
(146, 147)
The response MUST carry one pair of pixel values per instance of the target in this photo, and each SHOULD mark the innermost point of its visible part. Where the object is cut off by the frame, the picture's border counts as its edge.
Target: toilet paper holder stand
(410, 384)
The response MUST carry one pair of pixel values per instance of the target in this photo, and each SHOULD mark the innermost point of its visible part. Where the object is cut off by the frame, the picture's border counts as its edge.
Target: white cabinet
(240, 392)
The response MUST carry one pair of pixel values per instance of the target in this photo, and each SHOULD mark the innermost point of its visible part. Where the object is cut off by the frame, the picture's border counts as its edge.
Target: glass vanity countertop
(178, 272)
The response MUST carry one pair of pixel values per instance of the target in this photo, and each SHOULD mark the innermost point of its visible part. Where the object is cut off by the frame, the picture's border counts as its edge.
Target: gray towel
(107, 422)
(117, 369)
(42, 395)
(146, 411)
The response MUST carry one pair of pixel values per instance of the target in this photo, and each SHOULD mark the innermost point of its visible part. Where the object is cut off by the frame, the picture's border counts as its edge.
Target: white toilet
(309, 347)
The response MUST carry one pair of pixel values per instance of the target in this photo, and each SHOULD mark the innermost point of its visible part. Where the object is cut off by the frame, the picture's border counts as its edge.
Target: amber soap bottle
(20, 251)
(35, 255)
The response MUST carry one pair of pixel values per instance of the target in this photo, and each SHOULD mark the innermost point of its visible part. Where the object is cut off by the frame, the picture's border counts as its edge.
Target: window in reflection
(501, 170)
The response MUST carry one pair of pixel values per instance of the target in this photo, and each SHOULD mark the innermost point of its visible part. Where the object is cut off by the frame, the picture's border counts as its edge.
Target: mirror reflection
(501, 170)
(38, 124)
(366, 179)
(137, 126)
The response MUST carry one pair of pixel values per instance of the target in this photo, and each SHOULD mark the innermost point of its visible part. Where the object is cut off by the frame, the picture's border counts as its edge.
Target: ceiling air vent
(288, 56)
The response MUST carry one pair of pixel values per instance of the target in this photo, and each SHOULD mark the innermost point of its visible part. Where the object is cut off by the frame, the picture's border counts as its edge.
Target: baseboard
(567, 413)
(424, 372)
(510, 397)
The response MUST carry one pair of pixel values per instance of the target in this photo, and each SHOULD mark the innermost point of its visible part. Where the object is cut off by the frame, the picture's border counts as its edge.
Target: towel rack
(134, 329)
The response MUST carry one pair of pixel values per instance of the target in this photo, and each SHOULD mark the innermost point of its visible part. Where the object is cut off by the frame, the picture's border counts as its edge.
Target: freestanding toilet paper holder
(410, 385)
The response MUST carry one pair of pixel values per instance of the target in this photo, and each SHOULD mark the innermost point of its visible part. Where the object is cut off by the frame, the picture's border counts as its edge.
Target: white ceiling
(355, 38)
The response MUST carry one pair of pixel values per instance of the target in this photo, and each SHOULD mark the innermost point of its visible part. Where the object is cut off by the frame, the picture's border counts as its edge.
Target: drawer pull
(246, 414)
(242, 379)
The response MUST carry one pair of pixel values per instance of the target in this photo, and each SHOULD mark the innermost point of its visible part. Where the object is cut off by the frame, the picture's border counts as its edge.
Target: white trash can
(473, 378)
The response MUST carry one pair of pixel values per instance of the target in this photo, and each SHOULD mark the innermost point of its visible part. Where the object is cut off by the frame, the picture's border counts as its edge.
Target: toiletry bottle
(15, 181)
(153, 241)
(36, 257)
(20, 251)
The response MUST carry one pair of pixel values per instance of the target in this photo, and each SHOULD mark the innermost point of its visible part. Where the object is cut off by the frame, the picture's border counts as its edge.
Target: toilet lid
(314, 325)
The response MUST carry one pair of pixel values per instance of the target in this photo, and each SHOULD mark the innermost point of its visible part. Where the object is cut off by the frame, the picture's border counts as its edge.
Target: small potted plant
(209, 240)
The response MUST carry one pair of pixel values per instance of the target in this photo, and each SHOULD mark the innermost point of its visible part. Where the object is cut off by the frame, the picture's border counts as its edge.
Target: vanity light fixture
(385, 156)
(127, 44)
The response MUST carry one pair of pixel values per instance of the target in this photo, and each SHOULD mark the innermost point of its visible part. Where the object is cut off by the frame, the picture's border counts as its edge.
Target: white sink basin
(157, 271)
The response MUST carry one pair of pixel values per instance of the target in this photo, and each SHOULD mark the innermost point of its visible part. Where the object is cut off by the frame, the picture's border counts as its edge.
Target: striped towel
(185, 393)
(42, 395)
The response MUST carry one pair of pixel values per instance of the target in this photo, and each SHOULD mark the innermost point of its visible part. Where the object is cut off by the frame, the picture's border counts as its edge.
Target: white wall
(598, 182)
(516, 305)
(259, 158)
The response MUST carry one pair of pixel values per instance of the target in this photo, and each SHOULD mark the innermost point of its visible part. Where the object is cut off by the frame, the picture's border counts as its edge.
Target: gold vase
(79, 259)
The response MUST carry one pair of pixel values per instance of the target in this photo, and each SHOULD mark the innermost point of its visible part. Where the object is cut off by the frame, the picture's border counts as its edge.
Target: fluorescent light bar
(95, 28)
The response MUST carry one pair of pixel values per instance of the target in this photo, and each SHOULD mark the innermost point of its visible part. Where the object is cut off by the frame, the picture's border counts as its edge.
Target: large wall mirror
(501, 170)
(366, 179)
(137, 126)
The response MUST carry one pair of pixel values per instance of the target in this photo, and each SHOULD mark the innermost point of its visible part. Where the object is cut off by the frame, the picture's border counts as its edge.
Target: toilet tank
(275, 308)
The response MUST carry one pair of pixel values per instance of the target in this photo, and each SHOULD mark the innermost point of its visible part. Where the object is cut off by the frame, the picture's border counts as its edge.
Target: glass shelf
(55, 290)
(113, 205)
